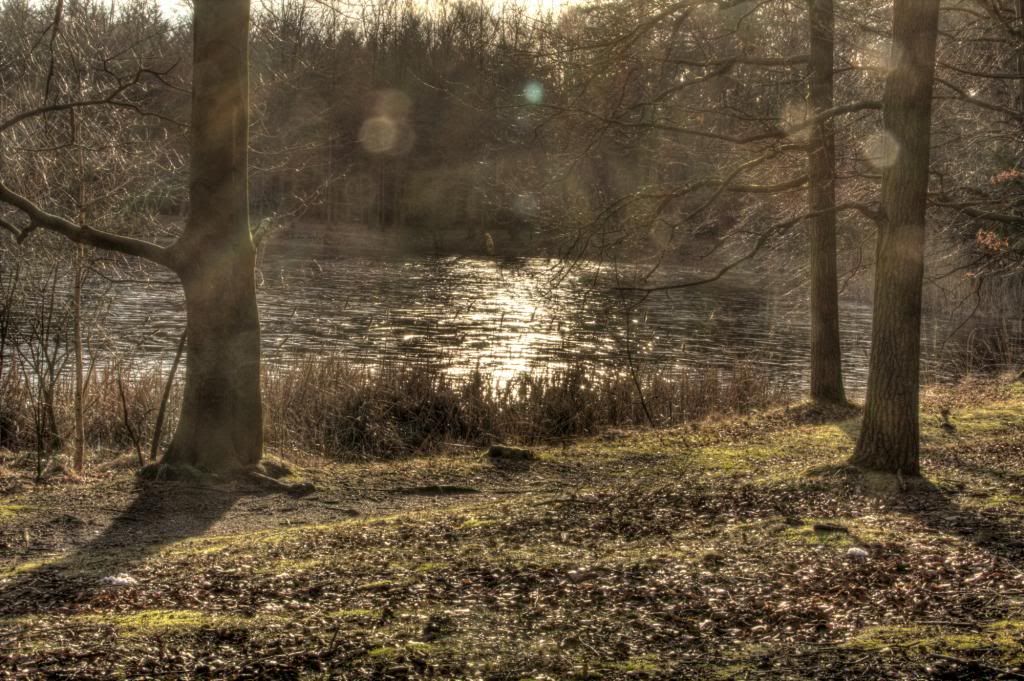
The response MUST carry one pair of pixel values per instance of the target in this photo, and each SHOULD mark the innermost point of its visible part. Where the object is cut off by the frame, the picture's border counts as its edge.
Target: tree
(221, 426)
(221, 423)
(826, 353)
(889, 437)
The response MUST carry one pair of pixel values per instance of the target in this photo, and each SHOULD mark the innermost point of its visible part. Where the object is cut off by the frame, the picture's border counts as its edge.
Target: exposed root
(163, 472)
(298, 489)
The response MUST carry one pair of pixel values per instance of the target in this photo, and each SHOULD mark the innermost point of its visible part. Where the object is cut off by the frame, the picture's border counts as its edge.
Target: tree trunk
(889, 437)
(826, 354)
(79, 456)
(221, 424)
(1020, 55)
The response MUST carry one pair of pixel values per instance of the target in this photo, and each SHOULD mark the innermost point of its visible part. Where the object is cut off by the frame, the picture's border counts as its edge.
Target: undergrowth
(741, 547)
(334, 408)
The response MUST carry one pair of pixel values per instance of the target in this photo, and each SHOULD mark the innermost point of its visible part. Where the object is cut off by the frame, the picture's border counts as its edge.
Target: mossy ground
(8, 511)
(689, 553)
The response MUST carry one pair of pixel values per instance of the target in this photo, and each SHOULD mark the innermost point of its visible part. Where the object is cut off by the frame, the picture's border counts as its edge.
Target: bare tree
(826, 352)
(220, 428)
(889, 437)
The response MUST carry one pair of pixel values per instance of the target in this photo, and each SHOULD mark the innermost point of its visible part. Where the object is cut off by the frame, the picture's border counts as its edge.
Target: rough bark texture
(78, 461)
(1020, 55)
(221, 424)
(889, 438)
(826, 355)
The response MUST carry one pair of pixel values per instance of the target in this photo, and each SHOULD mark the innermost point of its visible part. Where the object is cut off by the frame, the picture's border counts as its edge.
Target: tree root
(298, 489)
(163, 472)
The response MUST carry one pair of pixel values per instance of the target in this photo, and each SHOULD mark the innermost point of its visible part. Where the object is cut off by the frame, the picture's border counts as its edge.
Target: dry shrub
(15, 416)
(104, 412)
(332, 407)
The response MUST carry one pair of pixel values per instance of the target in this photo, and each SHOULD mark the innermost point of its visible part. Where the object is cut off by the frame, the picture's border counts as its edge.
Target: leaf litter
(694, 553)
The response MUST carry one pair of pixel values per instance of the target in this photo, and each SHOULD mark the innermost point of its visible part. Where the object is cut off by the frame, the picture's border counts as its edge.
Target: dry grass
(665, 554)
(331, 407)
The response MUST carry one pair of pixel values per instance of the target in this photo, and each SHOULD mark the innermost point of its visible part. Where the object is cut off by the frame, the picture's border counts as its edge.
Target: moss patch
(9, 511)
(808, 535)
(1002, 640)
(474, 523)
(27, 566)
(144, 623)
(981, 421)
(355, 613)
(147, 622)
(640, 664)
(781, 451)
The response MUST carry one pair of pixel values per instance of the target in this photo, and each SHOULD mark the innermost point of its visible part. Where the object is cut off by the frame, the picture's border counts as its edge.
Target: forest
(564, 339)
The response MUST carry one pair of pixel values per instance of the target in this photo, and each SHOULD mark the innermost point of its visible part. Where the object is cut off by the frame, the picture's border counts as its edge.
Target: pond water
(362, 295)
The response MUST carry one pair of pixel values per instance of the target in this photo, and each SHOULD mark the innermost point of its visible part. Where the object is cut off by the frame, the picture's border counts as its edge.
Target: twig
(127, 421)
(158, 428)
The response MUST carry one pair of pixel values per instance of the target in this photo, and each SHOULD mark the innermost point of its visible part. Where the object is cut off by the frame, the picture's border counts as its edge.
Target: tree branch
(83, 234)
(777, 229)
(1004, 218)
(980, 103)
(112, 98)
(750, 138)
(4, 224)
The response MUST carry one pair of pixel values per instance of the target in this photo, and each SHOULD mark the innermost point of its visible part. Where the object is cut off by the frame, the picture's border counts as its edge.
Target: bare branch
(978, 102)
(112, 98)
(84, 234)
(777, 133)
(974, 212)
(775, 230)
(4, 224)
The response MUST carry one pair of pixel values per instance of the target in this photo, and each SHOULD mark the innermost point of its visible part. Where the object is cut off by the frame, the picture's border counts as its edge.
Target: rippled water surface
(358, 295)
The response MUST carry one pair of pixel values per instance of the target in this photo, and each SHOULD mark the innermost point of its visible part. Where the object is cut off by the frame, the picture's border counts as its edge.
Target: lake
(363, 294)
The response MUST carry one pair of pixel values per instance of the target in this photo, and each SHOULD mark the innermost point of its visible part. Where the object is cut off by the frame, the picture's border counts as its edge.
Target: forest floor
(719, 550)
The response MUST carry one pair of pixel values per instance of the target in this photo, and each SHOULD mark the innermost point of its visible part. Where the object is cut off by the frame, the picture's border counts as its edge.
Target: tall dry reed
(334, 408)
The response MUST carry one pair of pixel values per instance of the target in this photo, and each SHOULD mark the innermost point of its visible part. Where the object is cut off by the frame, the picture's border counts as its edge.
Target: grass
(8, 511)
(330, 407)
(148, 623)
(685, 553)
(1001, 641)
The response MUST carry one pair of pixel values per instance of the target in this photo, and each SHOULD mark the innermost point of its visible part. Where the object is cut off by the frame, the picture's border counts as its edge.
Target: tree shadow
(937, 508)
(160, 514)
(1002, 476)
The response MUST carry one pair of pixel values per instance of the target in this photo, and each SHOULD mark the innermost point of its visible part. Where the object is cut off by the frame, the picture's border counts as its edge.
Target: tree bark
(826, 354)
(221, 423)
(1020, 55)
(78, 461)
(889, 437)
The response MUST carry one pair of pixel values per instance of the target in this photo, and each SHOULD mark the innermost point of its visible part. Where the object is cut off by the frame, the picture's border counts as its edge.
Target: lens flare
(881, 150)
(379, 135)
(533, 92)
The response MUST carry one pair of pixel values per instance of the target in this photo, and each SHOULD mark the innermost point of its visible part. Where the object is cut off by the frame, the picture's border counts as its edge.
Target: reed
(331, 407)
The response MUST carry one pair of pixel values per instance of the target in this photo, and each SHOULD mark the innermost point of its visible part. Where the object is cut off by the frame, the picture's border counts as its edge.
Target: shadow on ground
(937, 506)
(940, 511)
(160, 514)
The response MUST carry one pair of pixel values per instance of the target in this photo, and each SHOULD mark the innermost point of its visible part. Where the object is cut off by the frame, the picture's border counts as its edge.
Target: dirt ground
(732, 549)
